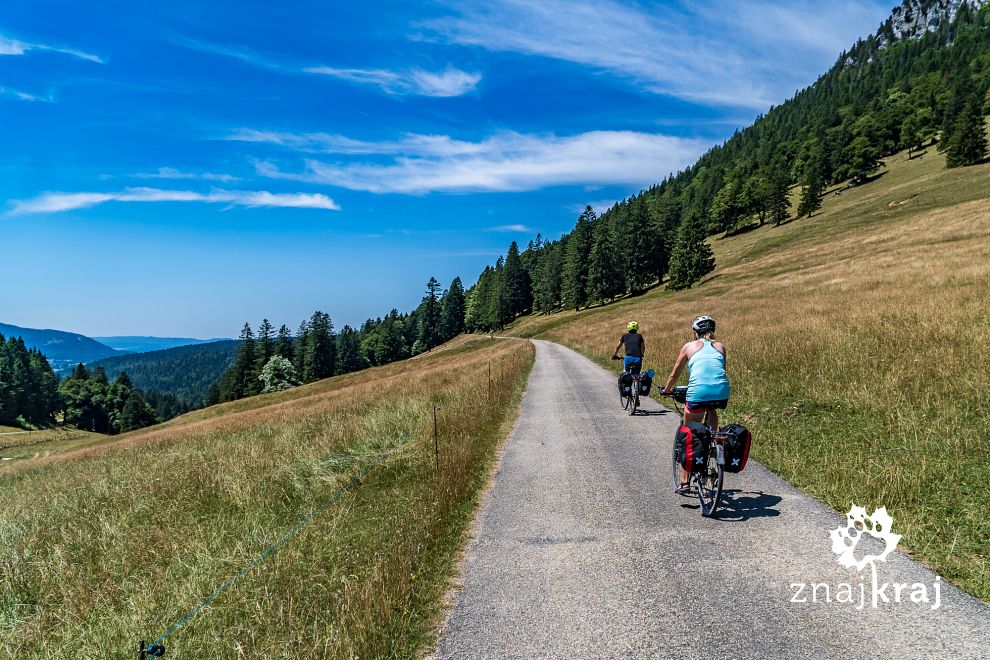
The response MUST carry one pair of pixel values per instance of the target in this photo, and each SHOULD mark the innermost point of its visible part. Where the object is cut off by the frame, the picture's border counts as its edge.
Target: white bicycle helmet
(703, 324)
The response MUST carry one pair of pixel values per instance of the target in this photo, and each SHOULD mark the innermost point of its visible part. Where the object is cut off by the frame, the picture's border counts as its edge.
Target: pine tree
(123, 380)
(244, 376)
(813, 185)
(692, 257)
(966, 143)
(575, 276)
(299, 349)
(429, 317)
(265, 344)
(349, 355)
(517, 285)
(547, 292)
(320, 349)
(283, 343)
(604, 276)
(452, 311)
(136, 414)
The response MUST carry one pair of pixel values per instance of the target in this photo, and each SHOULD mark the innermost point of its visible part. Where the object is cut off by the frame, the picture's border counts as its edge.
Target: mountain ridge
(62, 348)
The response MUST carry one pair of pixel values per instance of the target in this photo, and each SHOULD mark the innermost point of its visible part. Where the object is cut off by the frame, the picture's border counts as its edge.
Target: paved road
(582, 550)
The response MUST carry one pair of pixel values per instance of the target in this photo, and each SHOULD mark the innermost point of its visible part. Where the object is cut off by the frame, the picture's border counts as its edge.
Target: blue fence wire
(272, 548)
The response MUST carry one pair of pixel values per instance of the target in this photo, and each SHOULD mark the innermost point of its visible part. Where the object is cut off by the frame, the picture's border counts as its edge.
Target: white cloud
(449, 82)
(24, 96)
(506, 161)
(9, 46)
(57, 202)
(726, 52)
(398, 82)
(172, 173)
(515, 229)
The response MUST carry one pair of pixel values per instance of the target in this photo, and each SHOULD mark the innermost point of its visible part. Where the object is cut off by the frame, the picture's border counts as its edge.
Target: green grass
(857, 352)
(102, 546)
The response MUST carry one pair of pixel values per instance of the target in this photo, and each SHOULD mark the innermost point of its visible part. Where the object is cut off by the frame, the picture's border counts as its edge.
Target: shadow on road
(739, 506)
(651, 413)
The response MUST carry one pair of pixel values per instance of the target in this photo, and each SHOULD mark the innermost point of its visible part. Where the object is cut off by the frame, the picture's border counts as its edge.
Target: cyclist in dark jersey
(635, 345)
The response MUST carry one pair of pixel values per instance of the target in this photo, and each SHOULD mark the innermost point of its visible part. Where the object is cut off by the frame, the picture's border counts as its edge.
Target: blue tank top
(708, 380)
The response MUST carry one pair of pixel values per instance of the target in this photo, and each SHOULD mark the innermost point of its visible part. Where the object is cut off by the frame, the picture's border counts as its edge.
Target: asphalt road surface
(583, 550)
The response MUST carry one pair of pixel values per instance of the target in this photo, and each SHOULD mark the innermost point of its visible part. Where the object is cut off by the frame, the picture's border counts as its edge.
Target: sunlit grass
(105, 545)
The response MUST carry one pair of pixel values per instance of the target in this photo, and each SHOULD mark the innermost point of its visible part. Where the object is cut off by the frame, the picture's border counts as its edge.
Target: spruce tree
(692, 257)
(429, 317)
(452, 311)
(265, 344)
(604, 277)
(321, 348)
(245, 375)
(136, 414)
(517, 283)
(283, 343)
(349, 355)
(547, 285)
(966, 144)
(575, 276)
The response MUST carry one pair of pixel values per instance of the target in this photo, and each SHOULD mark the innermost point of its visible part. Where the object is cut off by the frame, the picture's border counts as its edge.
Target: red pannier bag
(737, 442)
(692, 443)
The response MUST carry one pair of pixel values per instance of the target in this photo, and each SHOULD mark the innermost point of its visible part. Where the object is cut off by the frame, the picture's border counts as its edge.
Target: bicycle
(708, 481)
(630, 401)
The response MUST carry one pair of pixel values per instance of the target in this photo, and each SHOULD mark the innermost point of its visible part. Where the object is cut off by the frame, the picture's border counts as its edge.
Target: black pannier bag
(625, 383)
(737, 442)
(645, 382)
(692, 444)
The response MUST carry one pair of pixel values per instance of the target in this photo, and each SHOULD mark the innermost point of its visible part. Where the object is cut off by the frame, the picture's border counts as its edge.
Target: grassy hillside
(106, 544)
(857, 352)
(20, 445)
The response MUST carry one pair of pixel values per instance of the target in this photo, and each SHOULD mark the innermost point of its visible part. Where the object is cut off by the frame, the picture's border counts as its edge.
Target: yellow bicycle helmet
(633, 325)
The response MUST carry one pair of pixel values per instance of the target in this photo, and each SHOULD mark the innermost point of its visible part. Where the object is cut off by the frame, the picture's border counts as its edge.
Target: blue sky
(178, 168)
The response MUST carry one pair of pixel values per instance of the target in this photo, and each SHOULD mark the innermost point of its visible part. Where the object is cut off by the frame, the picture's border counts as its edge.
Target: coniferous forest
(882, 96)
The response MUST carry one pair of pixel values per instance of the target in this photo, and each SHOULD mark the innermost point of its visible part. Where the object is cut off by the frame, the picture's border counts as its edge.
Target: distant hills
(138, 344)
(63, 349)
(186, 372)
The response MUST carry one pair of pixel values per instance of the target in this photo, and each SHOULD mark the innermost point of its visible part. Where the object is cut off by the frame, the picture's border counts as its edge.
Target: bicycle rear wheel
(675, 480)
(635, 400)
(709, 482)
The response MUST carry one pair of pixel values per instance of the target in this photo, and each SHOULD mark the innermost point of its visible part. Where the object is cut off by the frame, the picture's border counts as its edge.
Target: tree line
(881, 97)
(32, 395)
(270, 360)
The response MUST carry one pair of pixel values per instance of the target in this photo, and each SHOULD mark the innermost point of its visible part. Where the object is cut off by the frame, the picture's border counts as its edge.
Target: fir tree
(429, 317)
(283, 343)
(517, 285)
(604, 277)
(692, 257)
(575, 276)
(136, 414)
(320, 348)
(265, 344)
(349, 355)
(966, 143)
(452, 311)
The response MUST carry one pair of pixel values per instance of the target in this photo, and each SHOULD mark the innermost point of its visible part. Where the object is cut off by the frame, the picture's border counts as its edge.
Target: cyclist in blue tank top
(708, 384)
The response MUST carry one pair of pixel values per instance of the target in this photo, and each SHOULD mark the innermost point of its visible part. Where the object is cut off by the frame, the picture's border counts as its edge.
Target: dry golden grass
(857, 345)
(102, 546)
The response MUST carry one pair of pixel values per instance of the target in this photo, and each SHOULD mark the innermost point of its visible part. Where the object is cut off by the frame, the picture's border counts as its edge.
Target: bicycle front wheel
(709, 482)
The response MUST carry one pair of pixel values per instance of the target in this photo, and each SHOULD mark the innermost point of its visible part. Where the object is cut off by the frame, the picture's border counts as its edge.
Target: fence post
(436, 441)
(489, 382)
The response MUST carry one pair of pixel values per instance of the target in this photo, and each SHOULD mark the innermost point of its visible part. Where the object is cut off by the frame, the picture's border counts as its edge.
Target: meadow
(107, 544)
(856, 350)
